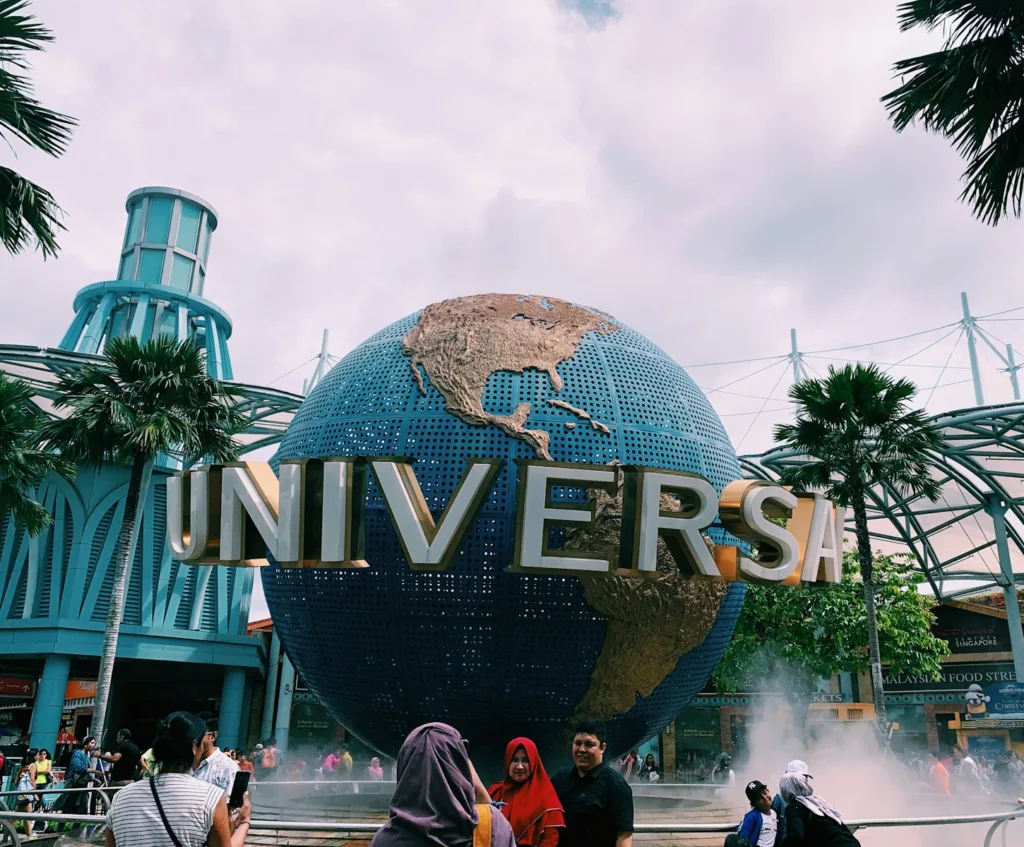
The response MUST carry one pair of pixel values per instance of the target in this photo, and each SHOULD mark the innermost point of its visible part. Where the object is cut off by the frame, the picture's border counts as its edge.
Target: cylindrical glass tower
(160, 281)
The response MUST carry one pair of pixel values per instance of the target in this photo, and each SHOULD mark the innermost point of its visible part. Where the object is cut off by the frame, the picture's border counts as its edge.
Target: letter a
(823, 555)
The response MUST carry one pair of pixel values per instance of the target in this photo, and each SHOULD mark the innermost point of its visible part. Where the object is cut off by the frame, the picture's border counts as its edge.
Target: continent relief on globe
(459, 343)
(653, 621)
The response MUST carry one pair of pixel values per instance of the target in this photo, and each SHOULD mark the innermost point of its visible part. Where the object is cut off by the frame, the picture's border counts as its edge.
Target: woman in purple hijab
(435, 795)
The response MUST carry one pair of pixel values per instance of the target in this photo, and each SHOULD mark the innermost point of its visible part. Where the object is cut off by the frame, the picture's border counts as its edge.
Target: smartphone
(238, 789)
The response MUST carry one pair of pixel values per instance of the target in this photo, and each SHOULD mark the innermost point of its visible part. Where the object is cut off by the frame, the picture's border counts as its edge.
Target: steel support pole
(1011, 366)
(972, 352)
(794, 356)
(996, 507)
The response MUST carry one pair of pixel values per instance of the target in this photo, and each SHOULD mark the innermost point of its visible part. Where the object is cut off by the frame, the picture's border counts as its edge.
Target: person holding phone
(173, 809)
(215, 766)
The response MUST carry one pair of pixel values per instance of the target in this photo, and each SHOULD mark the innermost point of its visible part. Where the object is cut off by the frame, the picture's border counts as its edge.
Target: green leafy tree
(787, 638)
(857, 430)
(141, 401)
(23, 465)
(27, 211)
(971, 92)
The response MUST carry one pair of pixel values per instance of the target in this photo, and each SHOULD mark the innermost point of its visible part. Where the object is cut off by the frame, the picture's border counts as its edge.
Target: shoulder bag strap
(163, 817)
(482, 833)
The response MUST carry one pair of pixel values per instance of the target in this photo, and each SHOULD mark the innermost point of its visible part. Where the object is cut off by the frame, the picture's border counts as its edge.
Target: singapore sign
(312, 515)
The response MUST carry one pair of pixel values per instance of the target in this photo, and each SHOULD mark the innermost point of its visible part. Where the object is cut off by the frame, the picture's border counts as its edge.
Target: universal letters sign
(312, 515)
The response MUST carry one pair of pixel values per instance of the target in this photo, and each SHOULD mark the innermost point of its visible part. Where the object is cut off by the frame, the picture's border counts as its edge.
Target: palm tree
(26, 210)
(142, 401)
(972, 93)
(856, 430)
(22, 464)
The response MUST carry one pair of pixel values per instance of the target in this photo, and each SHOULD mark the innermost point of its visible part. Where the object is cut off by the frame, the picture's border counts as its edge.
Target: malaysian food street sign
(312, 515)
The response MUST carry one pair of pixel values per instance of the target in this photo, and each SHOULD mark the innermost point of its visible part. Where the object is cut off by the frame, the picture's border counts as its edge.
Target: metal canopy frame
(958, 537)
(974, 532)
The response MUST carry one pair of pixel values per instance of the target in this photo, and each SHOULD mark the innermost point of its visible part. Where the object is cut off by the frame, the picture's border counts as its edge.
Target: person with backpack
(270, 759)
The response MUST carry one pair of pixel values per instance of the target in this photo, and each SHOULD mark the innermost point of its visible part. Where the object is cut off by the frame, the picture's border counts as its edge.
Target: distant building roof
(262, 625)
(991, 603)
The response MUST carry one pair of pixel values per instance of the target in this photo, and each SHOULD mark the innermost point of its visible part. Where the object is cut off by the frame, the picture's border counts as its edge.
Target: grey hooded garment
(434, 800)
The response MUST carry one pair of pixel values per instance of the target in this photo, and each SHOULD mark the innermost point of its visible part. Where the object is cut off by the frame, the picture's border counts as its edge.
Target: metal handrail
(47, 791)
(668, 828)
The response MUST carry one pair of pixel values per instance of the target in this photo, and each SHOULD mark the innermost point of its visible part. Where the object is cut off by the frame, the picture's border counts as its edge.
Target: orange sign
(80, 689)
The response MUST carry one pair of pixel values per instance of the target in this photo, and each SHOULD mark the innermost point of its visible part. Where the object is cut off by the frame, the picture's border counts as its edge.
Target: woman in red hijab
(532, 805)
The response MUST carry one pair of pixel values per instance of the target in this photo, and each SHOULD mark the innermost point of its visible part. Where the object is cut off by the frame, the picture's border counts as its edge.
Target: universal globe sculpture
(494, 653)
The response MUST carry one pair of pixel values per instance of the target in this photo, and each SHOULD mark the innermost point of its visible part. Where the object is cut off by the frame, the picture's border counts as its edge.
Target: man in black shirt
(125, 758)
(598, 802)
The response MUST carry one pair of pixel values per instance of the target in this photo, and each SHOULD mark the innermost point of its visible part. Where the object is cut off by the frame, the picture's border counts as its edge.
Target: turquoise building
(183, 643)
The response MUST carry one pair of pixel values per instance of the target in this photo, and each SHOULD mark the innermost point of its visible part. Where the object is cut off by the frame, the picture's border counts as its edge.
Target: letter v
(429, 546)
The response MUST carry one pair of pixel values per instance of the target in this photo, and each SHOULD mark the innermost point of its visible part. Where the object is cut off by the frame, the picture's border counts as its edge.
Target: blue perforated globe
(494, 653)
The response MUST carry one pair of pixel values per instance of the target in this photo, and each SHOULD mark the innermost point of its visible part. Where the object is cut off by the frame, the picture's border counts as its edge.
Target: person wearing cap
(761, 824)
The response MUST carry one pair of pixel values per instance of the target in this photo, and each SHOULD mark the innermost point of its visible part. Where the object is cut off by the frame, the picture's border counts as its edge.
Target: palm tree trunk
(124, 553)
(860, 518)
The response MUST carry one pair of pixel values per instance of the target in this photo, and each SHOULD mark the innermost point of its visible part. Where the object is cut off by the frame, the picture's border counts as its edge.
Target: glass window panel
(134, 223)
(127, 266)
(169, 322)
(188, 227)
(181, 272)
(119, 321)
(202, 283)
(151, 268)
(206, 242)
(159, 225)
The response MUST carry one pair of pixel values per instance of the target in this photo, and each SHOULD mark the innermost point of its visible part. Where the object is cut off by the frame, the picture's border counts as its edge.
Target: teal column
(74, 333)
(49, 702)
(243, 732)
(97, 325)
(284, 702)
(230, 718)
(270, 695)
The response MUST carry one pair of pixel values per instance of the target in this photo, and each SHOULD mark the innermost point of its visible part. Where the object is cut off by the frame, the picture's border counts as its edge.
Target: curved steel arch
(980, 470)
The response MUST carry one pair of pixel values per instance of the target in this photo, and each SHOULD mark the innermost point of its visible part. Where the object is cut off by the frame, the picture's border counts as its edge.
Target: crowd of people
(167, 795)
(176, 793)
(961, 773)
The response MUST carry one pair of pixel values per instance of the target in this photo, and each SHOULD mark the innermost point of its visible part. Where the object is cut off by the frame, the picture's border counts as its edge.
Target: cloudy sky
(712, 173)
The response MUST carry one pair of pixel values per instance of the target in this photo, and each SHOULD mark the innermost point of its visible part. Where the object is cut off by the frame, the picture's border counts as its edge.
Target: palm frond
(19, 33)
(27, 212)
(23, 463)
(855, 430)
(143, 400)
(970, 92)
(21, 114)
